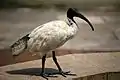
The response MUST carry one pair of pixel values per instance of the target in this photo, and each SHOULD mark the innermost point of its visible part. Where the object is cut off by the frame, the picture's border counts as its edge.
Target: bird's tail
(20, 45)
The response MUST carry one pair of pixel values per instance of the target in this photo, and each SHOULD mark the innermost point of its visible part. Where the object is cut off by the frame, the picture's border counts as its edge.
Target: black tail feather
(20, 45)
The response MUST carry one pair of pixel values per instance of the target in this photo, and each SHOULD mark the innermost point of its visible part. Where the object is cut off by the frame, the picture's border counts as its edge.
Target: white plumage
(48, 37)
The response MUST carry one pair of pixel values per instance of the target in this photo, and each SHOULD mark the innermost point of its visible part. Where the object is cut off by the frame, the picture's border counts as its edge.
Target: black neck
(70, 21)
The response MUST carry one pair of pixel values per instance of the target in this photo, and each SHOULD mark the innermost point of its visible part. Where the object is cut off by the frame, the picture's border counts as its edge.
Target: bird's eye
(71, 23)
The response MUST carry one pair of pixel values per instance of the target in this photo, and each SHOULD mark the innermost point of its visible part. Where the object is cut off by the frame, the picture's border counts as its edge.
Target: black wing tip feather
(23, 38)
(18, 43)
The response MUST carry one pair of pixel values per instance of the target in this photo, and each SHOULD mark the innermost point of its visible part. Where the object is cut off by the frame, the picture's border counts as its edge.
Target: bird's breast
(50, 36)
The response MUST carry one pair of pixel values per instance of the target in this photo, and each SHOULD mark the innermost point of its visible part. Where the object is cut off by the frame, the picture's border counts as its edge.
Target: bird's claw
(66, 73)
(60, 72)
(44, 75)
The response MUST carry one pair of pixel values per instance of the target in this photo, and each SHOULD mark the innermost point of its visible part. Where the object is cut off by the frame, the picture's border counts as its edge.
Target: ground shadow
(35, 71)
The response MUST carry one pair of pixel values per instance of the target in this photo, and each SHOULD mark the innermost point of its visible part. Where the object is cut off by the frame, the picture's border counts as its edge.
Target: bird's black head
(72, 12)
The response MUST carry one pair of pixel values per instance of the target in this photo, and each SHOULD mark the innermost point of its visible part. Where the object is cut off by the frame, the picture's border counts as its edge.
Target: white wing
(48, 36)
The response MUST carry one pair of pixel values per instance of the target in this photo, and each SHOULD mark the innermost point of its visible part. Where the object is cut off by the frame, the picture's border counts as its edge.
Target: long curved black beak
(84, 18)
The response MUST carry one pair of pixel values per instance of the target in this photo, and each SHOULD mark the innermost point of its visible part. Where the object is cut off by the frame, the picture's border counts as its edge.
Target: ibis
(49, 36)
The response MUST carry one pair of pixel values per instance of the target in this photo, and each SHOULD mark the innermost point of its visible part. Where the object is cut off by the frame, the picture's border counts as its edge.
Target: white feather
(50, 36)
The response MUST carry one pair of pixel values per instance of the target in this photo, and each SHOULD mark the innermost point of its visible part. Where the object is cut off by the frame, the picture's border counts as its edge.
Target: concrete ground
(80, 64)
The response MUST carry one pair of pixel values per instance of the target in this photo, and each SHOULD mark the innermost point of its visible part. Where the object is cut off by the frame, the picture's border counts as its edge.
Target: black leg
(43, 63)
(58, 66)
(43, 67)
(55, 60)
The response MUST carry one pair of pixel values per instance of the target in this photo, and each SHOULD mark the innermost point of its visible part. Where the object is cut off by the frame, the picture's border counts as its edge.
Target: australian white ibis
(48, 37)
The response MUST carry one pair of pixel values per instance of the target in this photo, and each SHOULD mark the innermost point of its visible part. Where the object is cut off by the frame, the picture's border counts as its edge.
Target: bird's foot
(44, 75)
(66, 73)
